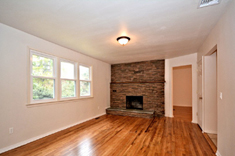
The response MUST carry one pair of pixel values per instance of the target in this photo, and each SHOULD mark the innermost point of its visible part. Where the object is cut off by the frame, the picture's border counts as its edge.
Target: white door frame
(190, 59)
(199, 92)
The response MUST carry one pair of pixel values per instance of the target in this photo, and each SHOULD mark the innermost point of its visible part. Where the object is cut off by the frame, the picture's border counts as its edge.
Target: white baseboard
(169, 116)
(195, 122)
(210, 132)
(44, 135)
(218, 154)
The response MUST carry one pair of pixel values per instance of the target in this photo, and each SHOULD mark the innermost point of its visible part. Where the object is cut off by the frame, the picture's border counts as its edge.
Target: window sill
(58, 101)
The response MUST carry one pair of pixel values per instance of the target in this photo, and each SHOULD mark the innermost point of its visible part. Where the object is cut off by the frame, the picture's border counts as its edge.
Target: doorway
(182, 92)
(210, 96)
(207, 96)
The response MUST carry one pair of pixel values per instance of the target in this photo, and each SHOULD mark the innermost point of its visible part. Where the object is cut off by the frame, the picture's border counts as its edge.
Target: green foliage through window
(85, 88)
(43, 88)
(42, 66)
(68, 88)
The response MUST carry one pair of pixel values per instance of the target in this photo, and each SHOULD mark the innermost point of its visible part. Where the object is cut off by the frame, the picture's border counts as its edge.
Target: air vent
(205, 3)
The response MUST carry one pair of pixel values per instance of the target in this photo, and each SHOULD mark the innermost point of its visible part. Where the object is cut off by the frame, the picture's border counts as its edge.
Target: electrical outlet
(11, 130)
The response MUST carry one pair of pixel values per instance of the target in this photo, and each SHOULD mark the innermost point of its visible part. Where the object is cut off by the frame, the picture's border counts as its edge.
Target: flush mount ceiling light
(205, 3)
(123, 40)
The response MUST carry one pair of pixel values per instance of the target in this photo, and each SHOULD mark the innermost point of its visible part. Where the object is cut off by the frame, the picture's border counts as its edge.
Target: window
(56, 79)
(68, 79)
(42, 77)
(85, 80)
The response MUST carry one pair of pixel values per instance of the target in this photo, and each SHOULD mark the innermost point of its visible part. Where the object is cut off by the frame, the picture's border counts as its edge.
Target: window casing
(56, 79)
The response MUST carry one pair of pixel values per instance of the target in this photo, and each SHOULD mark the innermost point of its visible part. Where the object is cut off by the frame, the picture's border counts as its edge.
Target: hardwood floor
(112, 135)
(213, 138)
(183, 113)
(210, 141)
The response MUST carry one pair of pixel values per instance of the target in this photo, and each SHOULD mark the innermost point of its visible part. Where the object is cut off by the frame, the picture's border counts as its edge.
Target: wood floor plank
(210, 142)
(112, 135)
(183, 113)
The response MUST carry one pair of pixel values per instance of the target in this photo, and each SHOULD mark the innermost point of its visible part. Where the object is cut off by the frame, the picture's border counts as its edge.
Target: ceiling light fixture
(205, 3)
(123, 40)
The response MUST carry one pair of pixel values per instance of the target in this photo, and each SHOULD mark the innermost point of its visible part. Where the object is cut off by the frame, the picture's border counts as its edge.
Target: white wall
(175, 62)
(223, 36)
(34, 122)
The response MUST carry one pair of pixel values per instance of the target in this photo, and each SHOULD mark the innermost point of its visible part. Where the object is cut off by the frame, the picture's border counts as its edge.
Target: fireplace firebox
(134, 102)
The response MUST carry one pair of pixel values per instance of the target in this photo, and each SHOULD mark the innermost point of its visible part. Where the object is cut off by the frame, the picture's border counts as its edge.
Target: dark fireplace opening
(134, 102)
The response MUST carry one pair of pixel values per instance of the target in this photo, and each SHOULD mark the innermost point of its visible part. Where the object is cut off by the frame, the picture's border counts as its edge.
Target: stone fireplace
(140, 79)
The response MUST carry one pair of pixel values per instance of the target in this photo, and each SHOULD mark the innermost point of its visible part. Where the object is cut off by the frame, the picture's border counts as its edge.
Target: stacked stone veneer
(149, 71)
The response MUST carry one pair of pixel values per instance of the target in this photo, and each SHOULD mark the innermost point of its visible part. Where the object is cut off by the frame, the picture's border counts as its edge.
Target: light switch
(221, 95)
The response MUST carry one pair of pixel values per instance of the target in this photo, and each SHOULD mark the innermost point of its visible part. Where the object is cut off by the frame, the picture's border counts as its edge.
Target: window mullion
(58, 81)
(31, 78)
(68, 79)
(91, 80)
(86, 80)
(43, 77)
(78, 82)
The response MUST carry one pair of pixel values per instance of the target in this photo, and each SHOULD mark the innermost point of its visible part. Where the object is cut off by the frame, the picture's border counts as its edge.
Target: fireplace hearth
(134, 102)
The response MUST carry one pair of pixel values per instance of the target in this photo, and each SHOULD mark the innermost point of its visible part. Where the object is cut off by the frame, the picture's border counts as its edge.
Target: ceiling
(158, 29)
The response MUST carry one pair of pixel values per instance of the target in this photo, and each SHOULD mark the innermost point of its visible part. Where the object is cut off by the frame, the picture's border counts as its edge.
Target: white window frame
(90, 80)
(75, 79)
(54, 77)
(57, 79)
